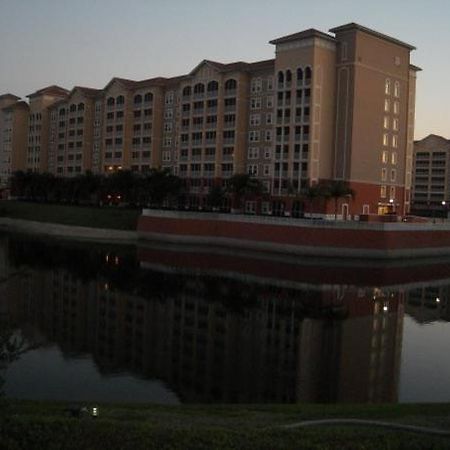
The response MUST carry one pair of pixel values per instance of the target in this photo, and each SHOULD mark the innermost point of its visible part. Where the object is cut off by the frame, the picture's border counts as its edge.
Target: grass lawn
(33, 425)
(86, 216)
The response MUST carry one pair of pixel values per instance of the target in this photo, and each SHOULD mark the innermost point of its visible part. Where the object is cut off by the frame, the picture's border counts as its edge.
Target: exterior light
(443, 202)
(391, 201)
(94, 412)
(385, 307)
(438, 299)
(109, 197)
(110, 168)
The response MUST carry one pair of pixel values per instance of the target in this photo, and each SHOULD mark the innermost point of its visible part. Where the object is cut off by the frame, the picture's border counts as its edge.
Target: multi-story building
(13, 132)
(336, 106)
(39, 126)
(431, 174)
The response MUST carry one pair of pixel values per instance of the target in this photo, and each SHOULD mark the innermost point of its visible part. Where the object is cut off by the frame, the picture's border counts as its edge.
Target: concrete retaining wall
(292, 236)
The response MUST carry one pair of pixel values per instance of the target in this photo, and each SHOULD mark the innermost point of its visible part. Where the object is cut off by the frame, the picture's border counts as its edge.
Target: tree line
(158, 188)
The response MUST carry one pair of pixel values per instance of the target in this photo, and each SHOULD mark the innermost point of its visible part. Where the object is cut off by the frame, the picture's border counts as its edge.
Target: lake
(166, 324)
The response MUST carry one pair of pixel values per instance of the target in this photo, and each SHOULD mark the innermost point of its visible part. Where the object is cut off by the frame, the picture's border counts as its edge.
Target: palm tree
(312, 193)
(240, 185)
(336, 190)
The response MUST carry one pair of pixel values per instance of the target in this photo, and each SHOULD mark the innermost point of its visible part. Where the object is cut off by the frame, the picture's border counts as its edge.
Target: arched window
(187, 91)
(300, 75)
(387, 86)
(308, 75)
(213, 86)
(80, 106)
(230, 84)
(137, 99)
(148, 97)
(397, 89)
(120, 100)
(73, 107)
(199, 88)
(110, 101)
(62, 112)
(280, 77)
(288, 76)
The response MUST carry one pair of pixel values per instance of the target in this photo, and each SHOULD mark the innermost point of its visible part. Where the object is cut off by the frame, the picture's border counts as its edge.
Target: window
(267, 153)
(383, 174)
(166, 156)
(270, 84)
(254, 136)
(268, 135)
(385, 157)
(255, 119)
(392, 192)
(394, 158)
(169, 98)
(386, 122)
(252, 169)
(255, 103)
(387, 105)
(230, 85)
(385, 140)
(168, 114)
(253, 153)
(395, 124)
(383, 192)
(266, 170)
(395, 141)
(397, 89)
(393, 175)
(168, 127)
(137, 99)
(167, 142)
(269, 119)
(396, 108)
(387, 86)
(256, 85)
(269, 101)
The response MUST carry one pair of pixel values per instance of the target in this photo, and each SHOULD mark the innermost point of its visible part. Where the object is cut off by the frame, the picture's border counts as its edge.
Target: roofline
(355, 26)
(20, 104)
(415, 68)
(307, 34)
(8, 95)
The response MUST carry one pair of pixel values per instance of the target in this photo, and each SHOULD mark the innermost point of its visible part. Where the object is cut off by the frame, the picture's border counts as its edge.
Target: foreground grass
(106, 217)
(45, 426)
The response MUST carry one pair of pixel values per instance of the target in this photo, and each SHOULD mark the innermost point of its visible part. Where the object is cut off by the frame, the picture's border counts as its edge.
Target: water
(164, 324)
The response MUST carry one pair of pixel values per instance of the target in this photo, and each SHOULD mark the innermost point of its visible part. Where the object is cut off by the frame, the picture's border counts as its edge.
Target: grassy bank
(45, 426)
(84, 216)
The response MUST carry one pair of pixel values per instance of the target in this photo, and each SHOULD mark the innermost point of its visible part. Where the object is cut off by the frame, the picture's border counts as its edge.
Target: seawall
(348, 239)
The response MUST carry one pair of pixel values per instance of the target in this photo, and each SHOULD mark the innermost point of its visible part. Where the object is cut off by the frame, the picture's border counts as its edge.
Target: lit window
(387, 86)
(383, 192)
(387, 105)
(385, 140)
(396, 108)
(395, 124)
(394, 158)
(395, 141)
(383, 174)
(385, 157)
(386, 122)
(397, 89)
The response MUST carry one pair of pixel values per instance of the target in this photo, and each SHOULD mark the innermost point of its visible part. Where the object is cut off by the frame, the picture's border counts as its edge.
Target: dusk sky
(87, 42)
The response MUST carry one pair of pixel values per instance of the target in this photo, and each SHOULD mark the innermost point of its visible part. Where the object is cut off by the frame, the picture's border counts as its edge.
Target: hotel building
(431, 191)
(337, 106)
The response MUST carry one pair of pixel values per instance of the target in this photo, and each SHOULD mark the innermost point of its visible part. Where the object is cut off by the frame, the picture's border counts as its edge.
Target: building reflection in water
(211, 338)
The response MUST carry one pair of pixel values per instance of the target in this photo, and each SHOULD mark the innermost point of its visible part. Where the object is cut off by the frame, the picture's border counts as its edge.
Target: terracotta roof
(16, 105)
(415, 68)
(355, 26)
(50, 90)
(11, 96)
(306, 34)
(88, 92)
(237, 66)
